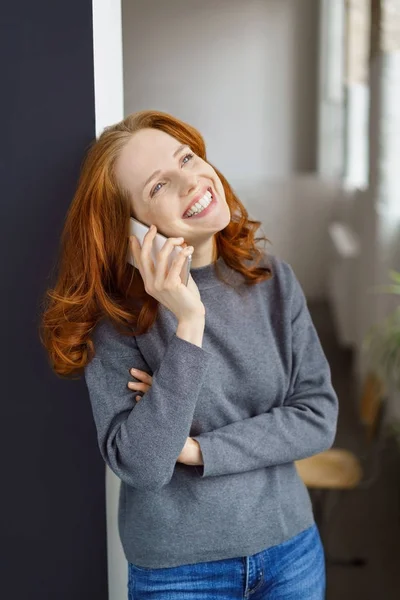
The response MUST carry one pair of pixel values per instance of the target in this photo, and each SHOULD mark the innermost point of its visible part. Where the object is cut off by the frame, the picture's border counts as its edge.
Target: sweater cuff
(209, 468)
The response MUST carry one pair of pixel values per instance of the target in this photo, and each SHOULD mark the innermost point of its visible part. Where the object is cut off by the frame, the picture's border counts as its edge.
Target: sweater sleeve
(303, 426)
(141, 441)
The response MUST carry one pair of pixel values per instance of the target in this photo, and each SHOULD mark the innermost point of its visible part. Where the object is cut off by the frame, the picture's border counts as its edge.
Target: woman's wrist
(191, 453)
(197, 454)
(192, 331)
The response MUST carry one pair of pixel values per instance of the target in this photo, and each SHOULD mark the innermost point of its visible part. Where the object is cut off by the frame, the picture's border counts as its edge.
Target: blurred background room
(299, 105)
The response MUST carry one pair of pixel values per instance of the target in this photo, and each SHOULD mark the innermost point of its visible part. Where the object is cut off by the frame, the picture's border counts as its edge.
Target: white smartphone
(139, 230)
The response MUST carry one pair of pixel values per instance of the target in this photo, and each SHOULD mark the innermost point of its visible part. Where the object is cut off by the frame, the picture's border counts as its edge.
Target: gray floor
(362, 523)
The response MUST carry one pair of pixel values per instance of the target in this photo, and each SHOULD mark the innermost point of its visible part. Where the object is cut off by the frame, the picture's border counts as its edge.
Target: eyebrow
(179, 149)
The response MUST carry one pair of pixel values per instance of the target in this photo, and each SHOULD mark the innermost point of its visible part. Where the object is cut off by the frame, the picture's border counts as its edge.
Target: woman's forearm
(192, 331)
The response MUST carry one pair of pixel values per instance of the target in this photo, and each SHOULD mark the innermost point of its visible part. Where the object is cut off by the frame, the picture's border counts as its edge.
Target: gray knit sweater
(256, 396)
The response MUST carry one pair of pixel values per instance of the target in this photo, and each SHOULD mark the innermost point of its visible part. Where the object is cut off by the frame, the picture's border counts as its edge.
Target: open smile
(209, 197)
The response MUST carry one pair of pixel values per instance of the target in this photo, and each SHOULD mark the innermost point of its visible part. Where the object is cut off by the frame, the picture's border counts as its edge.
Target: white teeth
(200, 205)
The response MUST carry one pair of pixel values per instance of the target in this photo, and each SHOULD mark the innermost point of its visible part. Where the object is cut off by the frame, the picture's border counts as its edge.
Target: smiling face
(164, 178)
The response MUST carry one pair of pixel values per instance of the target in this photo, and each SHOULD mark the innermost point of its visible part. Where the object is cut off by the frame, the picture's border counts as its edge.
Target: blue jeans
(293, 570)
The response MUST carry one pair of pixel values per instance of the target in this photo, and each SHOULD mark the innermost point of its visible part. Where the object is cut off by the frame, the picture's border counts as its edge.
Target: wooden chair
(337, 470)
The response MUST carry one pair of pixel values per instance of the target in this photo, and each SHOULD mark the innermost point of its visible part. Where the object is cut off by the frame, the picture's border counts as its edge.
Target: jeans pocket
(306, 543)
(298, 565)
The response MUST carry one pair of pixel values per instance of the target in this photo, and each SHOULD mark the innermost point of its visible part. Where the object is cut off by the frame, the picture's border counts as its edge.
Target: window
(390, 116)
(331, 114)
(357, 45)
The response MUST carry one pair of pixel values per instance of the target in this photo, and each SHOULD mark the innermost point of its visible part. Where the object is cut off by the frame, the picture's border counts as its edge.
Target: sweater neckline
(206, 276)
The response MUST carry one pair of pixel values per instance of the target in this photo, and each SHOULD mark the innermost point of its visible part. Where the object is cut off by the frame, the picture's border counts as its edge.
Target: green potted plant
(382, 347)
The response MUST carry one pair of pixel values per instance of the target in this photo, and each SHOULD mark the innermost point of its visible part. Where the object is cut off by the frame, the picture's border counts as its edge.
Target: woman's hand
(164, 283)
(142, 387)
(191, 452)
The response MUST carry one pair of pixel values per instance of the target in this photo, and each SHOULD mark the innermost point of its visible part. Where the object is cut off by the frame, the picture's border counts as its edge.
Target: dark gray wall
(52, 501)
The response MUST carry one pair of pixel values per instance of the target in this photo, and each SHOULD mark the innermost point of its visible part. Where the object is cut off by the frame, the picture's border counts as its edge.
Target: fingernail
(134, 370)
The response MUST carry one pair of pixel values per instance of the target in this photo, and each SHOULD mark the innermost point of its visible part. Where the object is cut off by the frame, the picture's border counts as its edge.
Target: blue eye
(155, 190)
(190, 155)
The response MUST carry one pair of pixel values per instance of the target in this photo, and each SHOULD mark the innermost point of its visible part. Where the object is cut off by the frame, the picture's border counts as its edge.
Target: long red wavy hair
(94, 280)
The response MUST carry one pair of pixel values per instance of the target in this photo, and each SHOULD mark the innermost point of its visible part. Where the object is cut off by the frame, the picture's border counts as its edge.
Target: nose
(189, 183)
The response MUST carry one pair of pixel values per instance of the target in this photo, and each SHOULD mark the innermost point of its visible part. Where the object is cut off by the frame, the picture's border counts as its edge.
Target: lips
(198, 197)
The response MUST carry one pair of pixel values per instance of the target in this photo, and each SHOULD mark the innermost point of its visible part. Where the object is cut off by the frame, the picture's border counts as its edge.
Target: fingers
(138, 386)
(161, 275)
(146, 263)
(141, 255)
(154, 275)
(141, 387)
(135, 247)
(141, 375)
(177, 263)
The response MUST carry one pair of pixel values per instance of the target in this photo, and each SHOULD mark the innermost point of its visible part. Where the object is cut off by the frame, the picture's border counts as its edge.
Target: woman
(232, 380)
